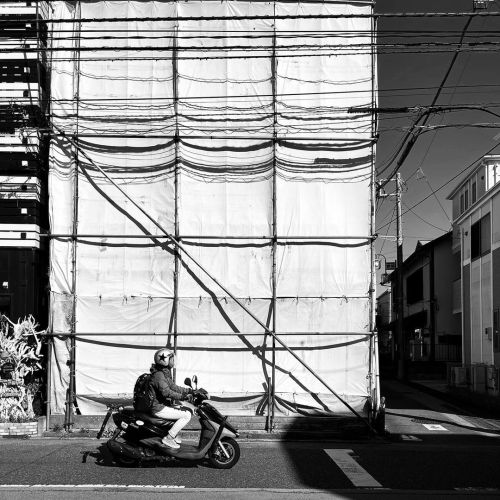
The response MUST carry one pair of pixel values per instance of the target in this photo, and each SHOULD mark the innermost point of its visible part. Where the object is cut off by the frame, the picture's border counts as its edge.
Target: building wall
(466, 308)
(432, 325)
(23, 162)
(496, 304)
(384, 319)
(480, 272)
(444, 274)
(423, 263)
(384, 308)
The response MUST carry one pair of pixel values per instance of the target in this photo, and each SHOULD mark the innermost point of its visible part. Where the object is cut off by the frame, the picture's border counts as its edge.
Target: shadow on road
(104, 458)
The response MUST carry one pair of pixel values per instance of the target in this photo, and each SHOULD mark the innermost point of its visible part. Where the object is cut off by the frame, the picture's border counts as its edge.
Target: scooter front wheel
(227, 457)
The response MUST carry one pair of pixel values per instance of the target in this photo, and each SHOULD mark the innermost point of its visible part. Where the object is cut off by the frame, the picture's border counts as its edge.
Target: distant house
(431, 320)
(476, 242)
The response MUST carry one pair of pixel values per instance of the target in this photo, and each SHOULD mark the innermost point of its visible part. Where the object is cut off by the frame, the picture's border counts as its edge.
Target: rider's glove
(189, 398)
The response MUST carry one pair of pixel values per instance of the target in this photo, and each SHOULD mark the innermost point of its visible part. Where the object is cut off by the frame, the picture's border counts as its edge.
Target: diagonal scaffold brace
(179, 246)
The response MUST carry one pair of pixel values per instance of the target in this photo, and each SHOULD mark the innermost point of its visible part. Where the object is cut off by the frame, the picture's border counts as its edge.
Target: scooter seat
(146, 417)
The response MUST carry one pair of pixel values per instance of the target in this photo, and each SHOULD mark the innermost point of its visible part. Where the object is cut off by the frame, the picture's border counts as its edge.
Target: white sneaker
(170, 442)
(177, 439)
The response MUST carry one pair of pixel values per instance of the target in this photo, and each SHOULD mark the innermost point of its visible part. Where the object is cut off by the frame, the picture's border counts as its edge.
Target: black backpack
(144, 393)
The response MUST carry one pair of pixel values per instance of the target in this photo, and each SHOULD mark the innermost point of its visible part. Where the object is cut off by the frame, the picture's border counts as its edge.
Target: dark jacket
(165, 389)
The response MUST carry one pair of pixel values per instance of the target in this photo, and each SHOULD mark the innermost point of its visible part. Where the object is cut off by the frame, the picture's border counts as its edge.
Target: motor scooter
(138, 436)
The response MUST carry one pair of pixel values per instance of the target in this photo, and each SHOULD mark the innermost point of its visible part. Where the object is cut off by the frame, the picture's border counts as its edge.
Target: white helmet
(163, 356)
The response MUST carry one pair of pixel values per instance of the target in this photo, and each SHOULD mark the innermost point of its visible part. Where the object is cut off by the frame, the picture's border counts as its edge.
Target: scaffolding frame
(180, 252)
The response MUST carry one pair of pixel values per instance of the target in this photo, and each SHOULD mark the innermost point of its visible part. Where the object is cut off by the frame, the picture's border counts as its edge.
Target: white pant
(182, 418)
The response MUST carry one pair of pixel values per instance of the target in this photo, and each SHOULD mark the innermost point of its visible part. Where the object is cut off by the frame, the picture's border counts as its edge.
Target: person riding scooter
(166, 392)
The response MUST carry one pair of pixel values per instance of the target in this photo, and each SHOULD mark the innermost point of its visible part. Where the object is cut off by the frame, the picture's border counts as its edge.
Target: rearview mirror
(195, 381)
(187, 381)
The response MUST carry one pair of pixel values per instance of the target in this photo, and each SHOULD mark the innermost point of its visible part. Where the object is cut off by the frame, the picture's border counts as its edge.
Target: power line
(424, 220)
(380, 15)
(446, 183)
(224, 33)
(410, 137)
(243, 56)
(341, 48)
(342, 93)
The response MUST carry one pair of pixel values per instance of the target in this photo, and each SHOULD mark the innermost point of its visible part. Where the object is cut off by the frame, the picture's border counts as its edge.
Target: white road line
(355, 473)
(91, 486)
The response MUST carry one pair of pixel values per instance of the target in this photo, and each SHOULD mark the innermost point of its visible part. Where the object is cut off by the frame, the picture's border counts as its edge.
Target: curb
(245, 436)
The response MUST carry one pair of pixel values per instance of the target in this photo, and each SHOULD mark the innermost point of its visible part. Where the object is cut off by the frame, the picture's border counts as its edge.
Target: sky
(440, 154)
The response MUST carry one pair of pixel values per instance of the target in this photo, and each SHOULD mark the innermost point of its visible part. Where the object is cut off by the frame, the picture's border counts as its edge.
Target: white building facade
(476, 236)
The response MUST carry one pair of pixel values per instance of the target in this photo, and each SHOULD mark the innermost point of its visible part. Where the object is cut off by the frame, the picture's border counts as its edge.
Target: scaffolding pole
(71, 393)
(373, 361)
(201, 334)
(175, 92)
(283, 239)
(272, 394)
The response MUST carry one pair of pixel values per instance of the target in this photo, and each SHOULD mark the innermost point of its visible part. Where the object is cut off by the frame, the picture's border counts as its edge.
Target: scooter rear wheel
(218, 458)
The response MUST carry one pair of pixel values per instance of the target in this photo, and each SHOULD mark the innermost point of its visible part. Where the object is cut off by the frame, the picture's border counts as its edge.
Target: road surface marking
(409, 437)
(354, 472)
(434, 427)
(467, 423)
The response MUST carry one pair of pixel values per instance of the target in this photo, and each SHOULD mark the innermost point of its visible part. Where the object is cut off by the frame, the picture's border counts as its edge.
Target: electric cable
(423, 220)
(359, 15)
(410, 137)
(448, 181)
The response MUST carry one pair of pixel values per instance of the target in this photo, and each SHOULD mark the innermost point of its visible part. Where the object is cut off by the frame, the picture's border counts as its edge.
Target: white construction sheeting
(225, 88)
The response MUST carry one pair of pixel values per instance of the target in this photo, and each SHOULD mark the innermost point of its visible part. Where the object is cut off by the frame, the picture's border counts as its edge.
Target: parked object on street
(138, 436)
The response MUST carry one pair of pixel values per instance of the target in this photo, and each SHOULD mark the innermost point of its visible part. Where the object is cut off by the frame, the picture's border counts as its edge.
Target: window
(485, 234)
(493, 174)
(415, 287)
(462, 209)
(480, 242)
(475, 240)
(474, 192)
(466, 199)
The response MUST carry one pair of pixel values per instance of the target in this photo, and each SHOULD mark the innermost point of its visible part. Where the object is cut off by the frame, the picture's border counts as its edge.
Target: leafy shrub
(20, 350)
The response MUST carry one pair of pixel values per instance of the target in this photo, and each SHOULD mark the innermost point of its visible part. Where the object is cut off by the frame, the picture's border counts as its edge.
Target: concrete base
(249, 427)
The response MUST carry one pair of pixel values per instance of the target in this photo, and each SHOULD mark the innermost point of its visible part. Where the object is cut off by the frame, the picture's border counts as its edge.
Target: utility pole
(399, 283)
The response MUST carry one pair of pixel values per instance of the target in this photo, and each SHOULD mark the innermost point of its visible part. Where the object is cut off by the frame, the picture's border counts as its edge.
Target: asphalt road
(435, 450)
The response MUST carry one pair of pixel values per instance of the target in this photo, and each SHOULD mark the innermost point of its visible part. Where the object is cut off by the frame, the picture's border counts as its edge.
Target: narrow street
(433, 450)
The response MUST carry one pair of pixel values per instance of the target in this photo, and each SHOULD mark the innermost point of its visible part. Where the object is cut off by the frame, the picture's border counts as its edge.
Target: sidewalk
(488, 404)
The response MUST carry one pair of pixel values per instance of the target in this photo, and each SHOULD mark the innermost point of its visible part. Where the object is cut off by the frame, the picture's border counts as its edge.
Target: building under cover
(211, 190)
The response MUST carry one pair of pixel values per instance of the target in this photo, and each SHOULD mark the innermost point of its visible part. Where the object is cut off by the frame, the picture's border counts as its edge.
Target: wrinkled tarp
(125, 107)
